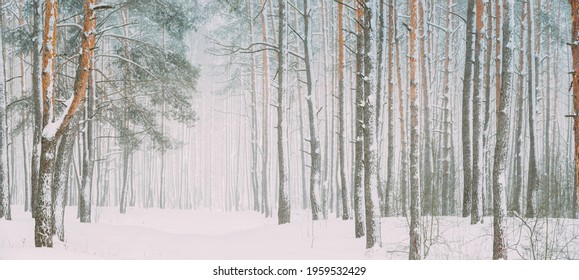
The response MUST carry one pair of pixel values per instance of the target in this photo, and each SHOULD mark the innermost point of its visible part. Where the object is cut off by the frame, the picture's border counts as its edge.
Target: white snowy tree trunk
(501, 148)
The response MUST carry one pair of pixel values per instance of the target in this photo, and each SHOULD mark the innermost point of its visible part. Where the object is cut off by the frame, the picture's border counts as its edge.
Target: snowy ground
(175, 234)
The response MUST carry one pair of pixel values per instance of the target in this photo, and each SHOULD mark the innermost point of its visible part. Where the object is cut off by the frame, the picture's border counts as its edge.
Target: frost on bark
(359, 120)
(5, 211)
(254, 144)
(466, 118)
(403, 137)
(531, 80)
(501, 148)
(378, 59)
(427, 177)
(575, 55)
(60, 184)
(477, 166)
(415, 252)
(515, 203)
(54, 127)
(284, 208)
(390, 169)
(316, 158)
(446, 145)
(342, 117)
(265, 208)
(371, 184)
(37, 100)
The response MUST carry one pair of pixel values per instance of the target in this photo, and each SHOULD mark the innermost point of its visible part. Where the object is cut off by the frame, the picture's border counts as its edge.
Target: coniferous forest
(332, 129)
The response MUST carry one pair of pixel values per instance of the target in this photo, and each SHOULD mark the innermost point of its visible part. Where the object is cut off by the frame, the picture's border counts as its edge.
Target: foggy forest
(289, 129)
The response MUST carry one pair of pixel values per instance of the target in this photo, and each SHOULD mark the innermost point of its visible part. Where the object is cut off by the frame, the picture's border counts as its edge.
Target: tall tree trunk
(43, 203)
(531, 87)
(37, 102)
(265, 208)
(446, 145)
(284, 208)
(501, 148)
(403, 137)
(546, 205)
(254, 144)
(575, 55)
(515, 204)
(315, 156)
(427, 178)
(390, 171)
(379, 26)
(487, 101)
(415, 184)
(24, 117)
(476, 201)
(359, 123)
(5, 211)
(466, 118)
(371, 184)
(342, 116)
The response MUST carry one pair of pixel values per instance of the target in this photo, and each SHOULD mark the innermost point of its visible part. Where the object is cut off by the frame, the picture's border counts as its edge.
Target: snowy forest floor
(180, 234)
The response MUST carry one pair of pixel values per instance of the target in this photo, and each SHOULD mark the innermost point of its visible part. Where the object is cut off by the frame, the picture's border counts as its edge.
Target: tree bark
(390, 171)
(415, 184)
(265, 208)
(531, 87)
(359, 123)
(466, 118)
(342, 117)
(37, 102)
(427, 178)
(575, 54)
(476, 200)
(5, 209)
(284, 208)
(254, 144)
(446, 145)
(60, 185)
(371, 184)
(315, 156)
(501, 148)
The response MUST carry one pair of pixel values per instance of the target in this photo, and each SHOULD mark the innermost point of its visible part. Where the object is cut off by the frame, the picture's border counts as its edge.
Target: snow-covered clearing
(180, 234)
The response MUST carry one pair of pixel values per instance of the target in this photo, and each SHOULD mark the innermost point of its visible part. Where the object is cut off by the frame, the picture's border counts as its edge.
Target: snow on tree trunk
(476, 192)
(284, 207)
(390, 169)
(316, 158)
(37, 101)
(446, 145)
(379, 26)
(466, 119)
(254, 144)
(342, 117)
(403, 136)
(415, 252)
(4, 187)
(575, 55)
(427, 178)
(60, 183)
(531, 87)
(265, 208)
(43, 203)
(515, 204)
(501, 148)
(359, 120)
(371, 197)
(55, 128)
